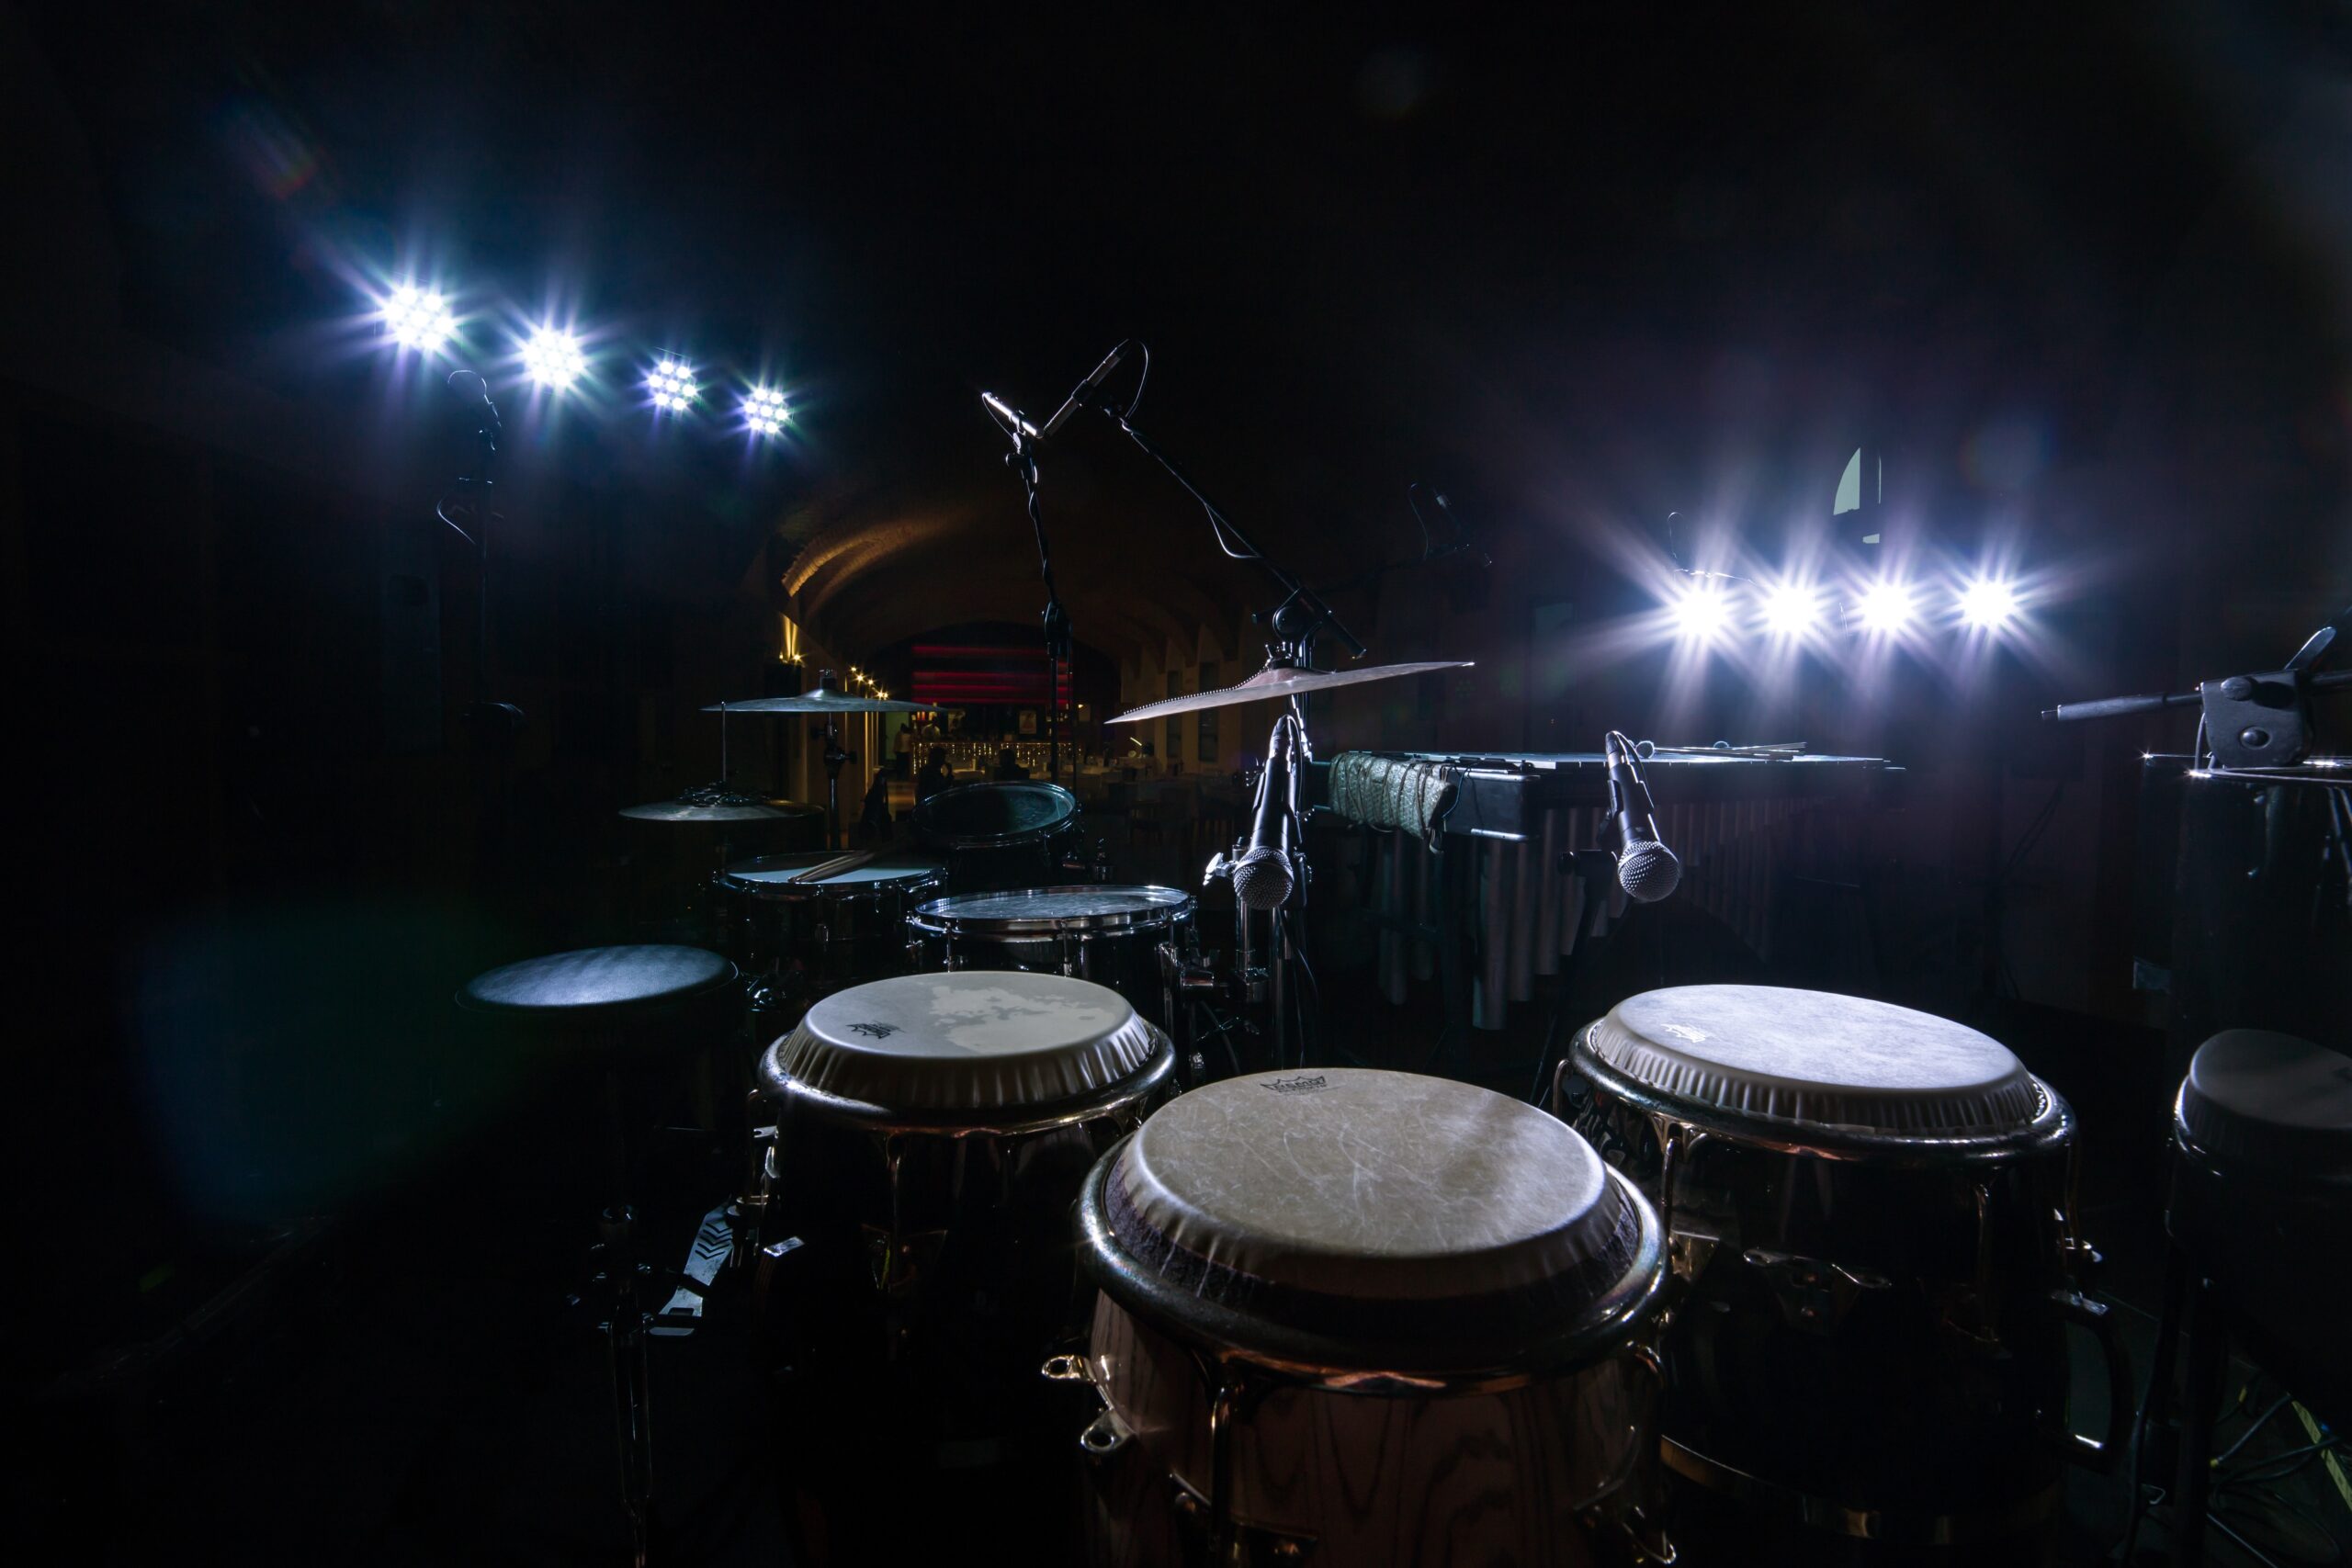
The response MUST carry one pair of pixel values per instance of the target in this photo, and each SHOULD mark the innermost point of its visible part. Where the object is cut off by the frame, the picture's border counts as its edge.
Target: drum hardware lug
(2080, 1261)
(1690, 1252)
(1812, 1295)
(1066, 1368)
(1104, 1435)
(1250, 1546)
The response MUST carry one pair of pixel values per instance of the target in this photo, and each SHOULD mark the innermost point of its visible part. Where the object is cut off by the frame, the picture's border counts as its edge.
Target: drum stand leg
(623, 1328)
(2205, 1338)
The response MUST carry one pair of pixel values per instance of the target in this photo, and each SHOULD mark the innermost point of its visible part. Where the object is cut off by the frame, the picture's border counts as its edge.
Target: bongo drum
(1869, 1216)
(1370, 1316)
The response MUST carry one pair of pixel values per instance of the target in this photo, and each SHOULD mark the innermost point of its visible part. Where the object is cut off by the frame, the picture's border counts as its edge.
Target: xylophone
(1737, 818)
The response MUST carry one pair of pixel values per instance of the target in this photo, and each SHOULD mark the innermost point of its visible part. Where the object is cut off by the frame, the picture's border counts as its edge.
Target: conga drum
(1868, 1215)
(931, 1132)
(1366, 1318)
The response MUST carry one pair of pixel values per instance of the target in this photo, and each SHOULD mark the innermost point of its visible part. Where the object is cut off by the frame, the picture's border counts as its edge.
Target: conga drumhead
(1040, 910)
(974, 1043)
(981, 815)
(775, 875)
(1385, 1207)
(1815, 1058)
(2271, 1100)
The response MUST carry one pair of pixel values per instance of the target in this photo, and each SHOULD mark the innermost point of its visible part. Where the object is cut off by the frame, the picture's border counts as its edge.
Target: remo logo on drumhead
(1301, 1085)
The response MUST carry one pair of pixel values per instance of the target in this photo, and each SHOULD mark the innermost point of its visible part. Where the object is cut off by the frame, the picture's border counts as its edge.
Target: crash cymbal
(730, 808)
(822, 700)
(1278, 681)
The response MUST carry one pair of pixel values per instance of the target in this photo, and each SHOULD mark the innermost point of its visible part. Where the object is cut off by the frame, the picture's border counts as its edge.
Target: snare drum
(1111, 936)
(996, 836)
(931, 1133)
(799, 940)
(1369, 1316)
(1868, 1211)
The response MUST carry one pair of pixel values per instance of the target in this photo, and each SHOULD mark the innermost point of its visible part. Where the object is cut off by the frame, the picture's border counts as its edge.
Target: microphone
(1646, 869)
(1461, 532)
(1262, 877)
(1076, 399)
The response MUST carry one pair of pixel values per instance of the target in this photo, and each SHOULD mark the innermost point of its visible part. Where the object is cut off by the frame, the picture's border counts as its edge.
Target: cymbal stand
(1299, 621)
(833, 757)
(1022, 461)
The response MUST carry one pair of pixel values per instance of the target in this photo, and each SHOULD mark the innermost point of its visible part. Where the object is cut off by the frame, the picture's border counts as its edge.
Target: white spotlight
(765, 412)
(1885, 607)
(417, 318)
(553, 358)
(1702, 614)
(1792, 609)
(673, 383)
(1987, 603)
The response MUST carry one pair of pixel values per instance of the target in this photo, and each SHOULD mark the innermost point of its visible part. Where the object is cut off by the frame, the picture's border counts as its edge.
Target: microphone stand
(491, 724)
(1302, 616)
(1022, 461)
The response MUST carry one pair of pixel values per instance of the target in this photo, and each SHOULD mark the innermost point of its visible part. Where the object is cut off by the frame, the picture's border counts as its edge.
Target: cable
(2261, 1472)
(2247, 1436)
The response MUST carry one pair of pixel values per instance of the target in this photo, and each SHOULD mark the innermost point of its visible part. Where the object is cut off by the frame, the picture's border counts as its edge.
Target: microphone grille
(1649, 871)
(1262, 879)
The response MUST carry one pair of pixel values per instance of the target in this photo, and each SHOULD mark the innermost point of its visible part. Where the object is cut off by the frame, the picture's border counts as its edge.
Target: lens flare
(553, 358)
(1702, 613)
(417, 318)
(765, 412)
(673, 385)
(1792, 609)
(1988, 604)
(1885, 607)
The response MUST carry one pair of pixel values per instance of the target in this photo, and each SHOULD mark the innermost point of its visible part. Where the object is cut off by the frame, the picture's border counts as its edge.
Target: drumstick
(835, 867)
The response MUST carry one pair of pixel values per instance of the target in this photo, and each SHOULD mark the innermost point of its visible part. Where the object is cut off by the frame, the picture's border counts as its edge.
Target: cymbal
(1278, 681)
(694, 811)
(822, 700)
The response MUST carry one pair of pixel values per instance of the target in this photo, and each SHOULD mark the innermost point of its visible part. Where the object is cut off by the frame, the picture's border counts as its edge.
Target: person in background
(873, 823)
(1008, 767)
(935, 776)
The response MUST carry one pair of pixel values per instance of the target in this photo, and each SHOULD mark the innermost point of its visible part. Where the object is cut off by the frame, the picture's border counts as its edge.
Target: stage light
(1987, 603)
(417, 318)
(1792, 609)
(765, 412)
(1885, 607)
(553, 359)
(673, 384)
(1702, 614)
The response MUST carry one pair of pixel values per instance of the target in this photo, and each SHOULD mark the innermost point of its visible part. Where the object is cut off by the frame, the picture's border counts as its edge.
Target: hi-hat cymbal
(822, 700)
(1278, 681)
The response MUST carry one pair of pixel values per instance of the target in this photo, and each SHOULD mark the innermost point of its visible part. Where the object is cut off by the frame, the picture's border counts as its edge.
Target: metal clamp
(2102, 1454)
(1814, 1295)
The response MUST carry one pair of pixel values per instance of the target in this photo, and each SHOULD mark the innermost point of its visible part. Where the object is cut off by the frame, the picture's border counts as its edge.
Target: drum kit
(1032, 1275)
(1798, 1256)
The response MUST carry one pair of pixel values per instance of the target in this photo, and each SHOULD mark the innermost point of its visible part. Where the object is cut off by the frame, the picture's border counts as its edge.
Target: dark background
(2078, 272)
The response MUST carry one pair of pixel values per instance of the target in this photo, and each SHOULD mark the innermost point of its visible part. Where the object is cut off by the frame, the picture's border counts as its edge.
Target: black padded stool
(2260, 1220)
(627, 1012)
